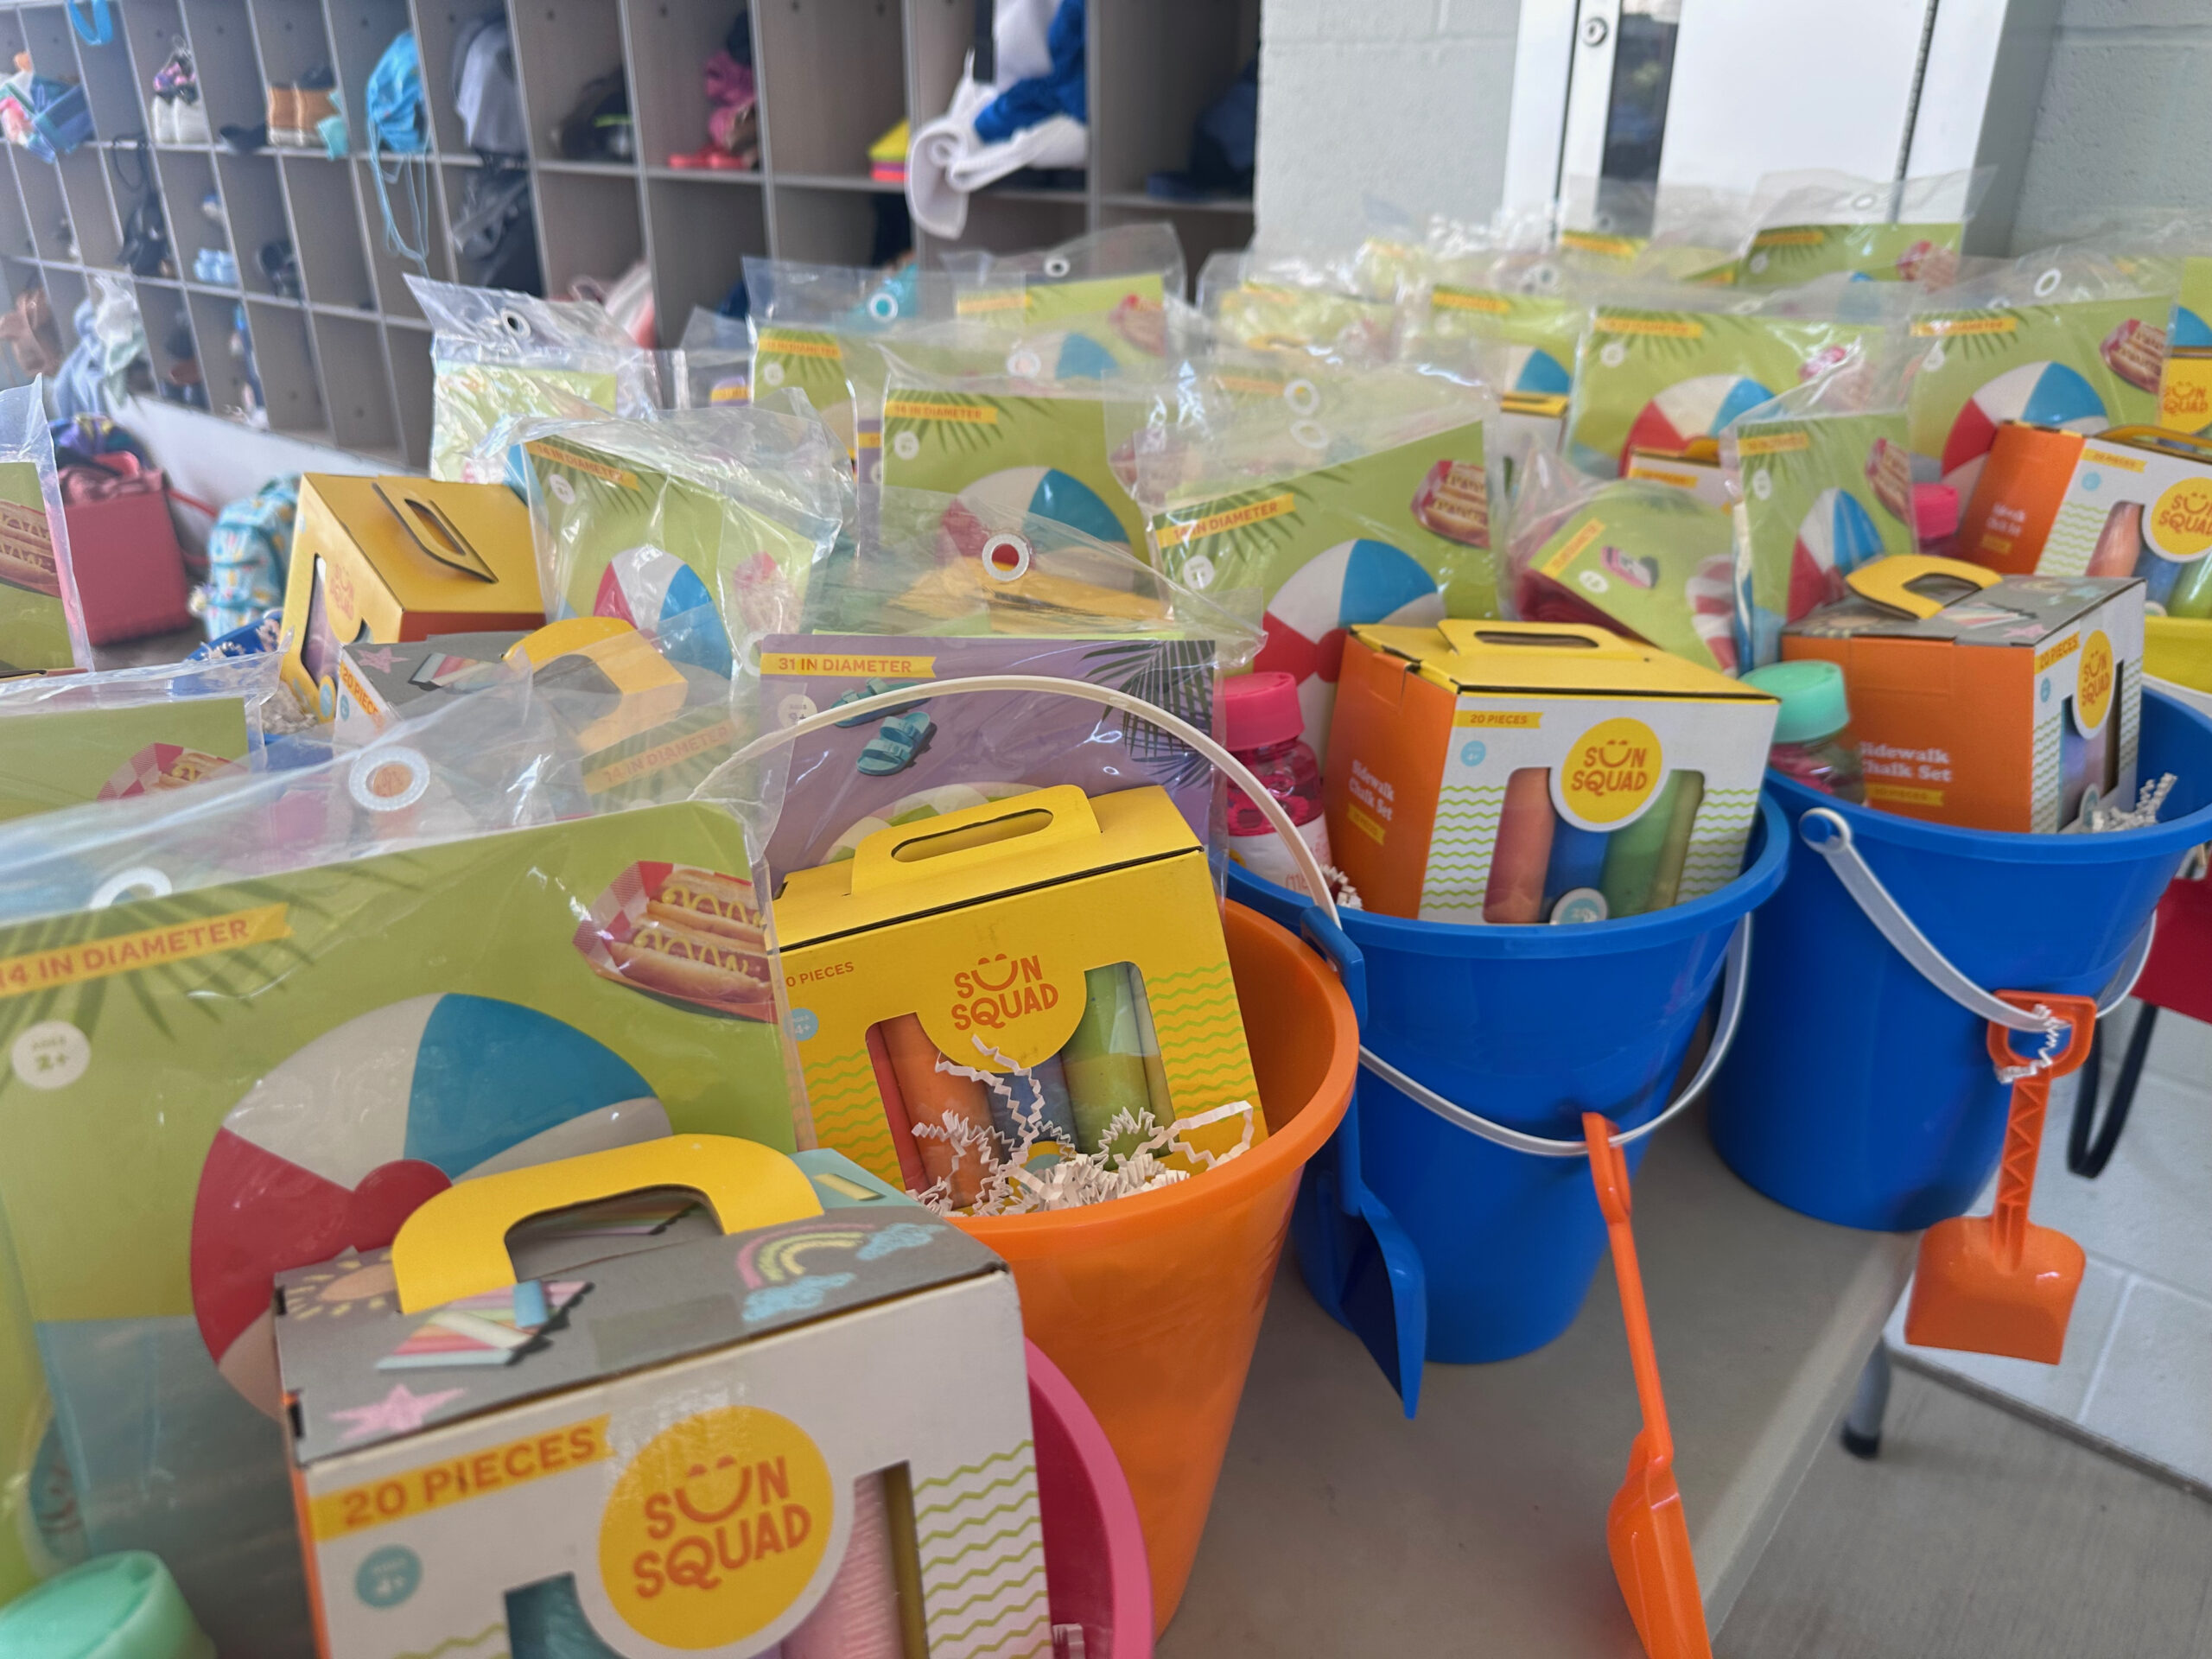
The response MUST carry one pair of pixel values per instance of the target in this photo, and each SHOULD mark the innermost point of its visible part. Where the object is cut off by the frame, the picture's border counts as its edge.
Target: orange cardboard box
(2017, 497)
(1988, 703)
(1527, 772)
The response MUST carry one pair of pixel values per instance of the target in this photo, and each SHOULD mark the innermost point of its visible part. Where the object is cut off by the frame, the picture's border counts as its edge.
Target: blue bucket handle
(1827, 832)
(1735, 968)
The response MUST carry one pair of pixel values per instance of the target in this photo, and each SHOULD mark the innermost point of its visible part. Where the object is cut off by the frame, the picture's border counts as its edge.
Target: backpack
(395, 101)
(399, 126)
(494, 233)
(485, 89)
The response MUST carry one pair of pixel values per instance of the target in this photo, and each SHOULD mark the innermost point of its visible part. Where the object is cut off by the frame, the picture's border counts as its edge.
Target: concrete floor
(1978, 1534)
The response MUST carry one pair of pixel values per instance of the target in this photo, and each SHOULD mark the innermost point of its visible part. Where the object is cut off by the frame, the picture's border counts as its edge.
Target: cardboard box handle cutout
(1470, 636)
(456, 1244)
(430, 528)
(973, 836)
(1890, 581)
(2181, 445)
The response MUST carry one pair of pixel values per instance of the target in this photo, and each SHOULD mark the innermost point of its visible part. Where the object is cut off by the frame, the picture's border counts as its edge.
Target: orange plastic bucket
(1151, 1305)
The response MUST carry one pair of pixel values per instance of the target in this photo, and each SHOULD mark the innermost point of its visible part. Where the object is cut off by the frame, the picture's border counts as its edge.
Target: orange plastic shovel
(1995, 1284)
(1646, 1532)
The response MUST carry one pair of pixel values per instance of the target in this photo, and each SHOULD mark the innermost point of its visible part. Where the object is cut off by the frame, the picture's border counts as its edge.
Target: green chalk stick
(1634, 855)
(1104, 1059)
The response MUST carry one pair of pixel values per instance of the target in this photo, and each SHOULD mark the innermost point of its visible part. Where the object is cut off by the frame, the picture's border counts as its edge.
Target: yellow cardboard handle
(2183, 444)
(1888, 582)
(1472, 636)
(456, 1244)
(973, 836)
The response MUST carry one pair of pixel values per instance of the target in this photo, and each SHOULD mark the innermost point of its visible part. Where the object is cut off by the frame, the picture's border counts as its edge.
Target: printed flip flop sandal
(894, 748)
(874, 688)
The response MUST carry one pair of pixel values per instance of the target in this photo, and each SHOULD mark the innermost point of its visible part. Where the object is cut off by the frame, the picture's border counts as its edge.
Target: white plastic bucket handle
(1734, 966)
(1151, 714)
(1827, 832)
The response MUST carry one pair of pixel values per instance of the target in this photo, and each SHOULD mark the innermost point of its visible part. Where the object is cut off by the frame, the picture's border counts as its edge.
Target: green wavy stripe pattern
(2073, 540)
(457, 1643)
(982, 1543)
(1459, 846)
(1201, 1031)
(848, 1114)
(1715, 855)
(2045, 774)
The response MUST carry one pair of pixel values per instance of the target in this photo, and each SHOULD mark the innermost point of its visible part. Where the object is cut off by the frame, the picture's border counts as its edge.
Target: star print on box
(400, 1412)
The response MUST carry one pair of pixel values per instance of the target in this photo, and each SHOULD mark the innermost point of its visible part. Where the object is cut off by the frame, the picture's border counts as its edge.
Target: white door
(1611, 98)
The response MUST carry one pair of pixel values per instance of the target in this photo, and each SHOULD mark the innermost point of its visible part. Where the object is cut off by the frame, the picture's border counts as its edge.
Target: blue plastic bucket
(1860, 1093)
(1530, 1027)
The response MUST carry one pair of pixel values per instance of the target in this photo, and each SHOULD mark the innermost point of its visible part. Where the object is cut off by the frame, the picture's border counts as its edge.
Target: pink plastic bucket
(1096, 1573)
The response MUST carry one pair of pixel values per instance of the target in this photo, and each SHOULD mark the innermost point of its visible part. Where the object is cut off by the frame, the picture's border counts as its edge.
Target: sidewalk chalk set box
(1989, 703)
(1528, 771)
(669, 1447)
(2134, 501)
(1011, 932)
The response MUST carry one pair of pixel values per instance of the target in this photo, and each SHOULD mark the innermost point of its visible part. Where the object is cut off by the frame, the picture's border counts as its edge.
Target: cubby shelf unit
(349, 363)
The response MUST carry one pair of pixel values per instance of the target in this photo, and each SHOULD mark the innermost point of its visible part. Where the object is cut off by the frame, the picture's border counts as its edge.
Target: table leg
(1862, 1424)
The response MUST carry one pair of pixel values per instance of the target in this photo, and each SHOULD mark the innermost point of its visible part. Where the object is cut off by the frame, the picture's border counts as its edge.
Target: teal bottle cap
(121, 1606)
(1813, 702)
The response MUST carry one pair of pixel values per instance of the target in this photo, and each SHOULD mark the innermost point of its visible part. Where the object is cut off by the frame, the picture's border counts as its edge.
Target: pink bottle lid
(1936, 511)
(1261, 710)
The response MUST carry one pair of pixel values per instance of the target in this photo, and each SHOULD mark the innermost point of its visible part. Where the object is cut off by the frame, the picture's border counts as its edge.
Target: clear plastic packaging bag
(1004, 421)
(747, 501)
(1324, 500)
(1814, 224)
(713, 364)
(1663, 368)
(817, 329)
(500, 354)
(338, 988)
(41, 621)
(69, 739)
(2065, 337)
(945, 592)
(1342, 306)
(1644, 559)
(1091, 275)
(1819, 482)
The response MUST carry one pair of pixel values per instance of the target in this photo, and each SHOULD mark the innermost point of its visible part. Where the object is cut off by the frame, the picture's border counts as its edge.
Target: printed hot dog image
(677, 931)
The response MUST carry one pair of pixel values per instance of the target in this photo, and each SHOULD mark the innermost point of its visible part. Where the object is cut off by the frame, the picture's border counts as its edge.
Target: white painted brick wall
(2124, 118)
(1403, 99)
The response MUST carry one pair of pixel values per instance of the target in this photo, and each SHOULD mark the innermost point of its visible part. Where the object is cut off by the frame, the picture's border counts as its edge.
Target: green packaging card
(1011, 456)
(599, 504)
(471, 398)
(1782, 256)
(1660, 379)
(1090, 328)
(2084, 364)
(200, 1090)
(1399, 536)
(1543, 330)
(2185, 391)
(1821, 496)
(34, 623)
(1646, 559)
(811, 360)
(71, 756)
(1270, 316)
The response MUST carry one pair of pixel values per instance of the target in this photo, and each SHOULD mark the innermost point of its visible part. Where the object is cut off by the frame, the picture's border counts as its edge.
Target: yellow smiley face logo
(2094, 685)
(716, 1527)
(1610, 771)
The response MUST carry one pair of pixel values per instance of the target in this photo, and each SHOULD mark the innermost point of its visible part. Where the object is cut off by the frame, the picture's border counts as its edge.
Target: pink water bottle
(1265, 730)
